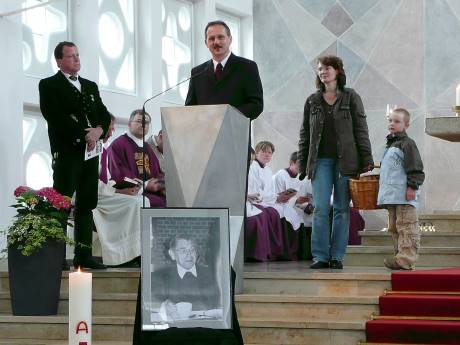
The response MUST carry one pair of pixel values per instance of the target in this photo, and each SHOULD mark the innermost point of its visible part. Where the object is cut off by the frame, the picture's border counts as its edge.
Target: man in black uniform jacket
(226, 78)
(77, 119)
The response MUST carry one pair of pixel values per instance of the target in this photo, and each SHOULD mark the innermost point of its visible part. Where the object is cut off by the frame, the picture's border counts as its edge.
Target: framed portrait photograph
(186, 275)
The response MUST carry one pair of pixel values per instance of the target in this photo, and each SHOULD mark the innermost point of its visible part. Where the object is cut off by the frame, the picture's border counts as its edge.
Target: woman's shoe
(319, 264)
(336, 265)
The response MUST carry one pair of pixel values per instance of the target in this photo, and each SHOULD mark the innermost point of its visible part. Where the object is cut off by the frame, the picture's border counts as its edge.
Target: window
(176, 47)
(36, 152)
(117, 45)
(43, 28)
(233, 23)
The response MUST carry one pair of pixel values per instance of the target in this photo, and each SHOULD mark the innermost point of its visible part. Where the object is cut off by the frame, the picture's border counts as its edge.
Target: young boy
(401, 176)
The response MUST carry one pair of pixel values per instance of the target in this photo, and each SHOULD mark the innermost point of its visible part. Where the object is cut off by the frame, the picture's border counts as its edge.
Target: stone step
(295, 308)
(104, 281)
(105, 328)
(103, 304)
(318, 332)
(442, 221)
(428, 239)
(428, 256)
(355, 281)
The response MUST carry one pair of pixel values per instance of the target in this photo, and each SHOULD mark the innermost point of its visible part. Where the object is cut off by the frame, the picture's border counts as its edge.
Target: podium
(206, 157)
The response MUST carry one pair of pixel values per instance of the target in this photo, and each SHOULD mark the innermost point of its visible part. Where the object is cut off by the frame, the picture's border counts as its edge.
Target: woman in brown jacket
(334, 145)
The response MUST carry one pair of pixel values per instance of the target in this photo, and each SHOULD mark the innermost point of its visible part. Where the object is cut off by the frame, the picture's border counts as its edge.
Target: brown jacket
(353, 145)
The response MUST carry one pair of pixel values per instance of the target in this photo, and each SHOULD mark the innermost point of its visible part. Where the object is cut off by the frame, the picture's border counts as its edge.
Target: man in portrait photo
(185, 289)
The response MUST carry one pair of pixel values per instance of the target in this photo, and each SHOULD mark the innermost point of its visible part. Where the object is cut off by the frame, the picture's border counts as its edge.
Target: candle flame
(79, 270)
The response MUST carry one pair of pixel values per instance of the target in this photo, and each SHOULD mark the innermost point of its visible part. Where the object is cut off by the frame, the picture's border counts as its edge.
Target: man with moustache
(226, 78)
(76, 119)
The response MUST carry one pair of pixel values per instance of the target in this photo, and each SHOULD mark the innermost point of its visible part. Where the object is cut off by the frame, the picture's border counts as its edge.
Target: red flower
(21, 189)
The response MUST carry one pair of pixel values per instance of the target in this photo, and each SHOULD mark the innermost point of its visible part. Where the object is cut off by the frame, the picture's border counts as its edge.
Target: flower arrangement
(41, 215)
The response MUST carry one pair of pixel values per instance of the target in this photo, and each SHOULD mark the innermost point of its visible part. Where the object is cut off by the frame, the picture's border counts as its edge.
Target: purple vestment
(263, 237)
(356, 224)
(103, 172)
(125, 159)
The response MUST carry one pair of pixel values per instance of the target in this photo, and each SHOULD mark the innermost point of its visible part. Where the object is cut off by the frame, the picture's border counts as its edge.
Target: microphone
(143, 120)
(170, 88)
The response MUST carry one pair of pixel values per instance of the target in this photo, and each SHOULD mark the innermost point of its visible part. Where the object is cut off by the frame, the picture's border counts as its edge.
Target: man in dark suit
(77, 119)
(186, 281)
(226, 78)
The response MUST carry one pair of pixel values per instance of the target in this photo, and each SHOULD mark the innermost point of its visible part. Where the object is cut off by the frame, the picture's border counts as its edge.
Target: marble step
(104, 281)
(428, 256)
(107, 328)
(275, 278)
(442, 221)
(353, 281)
(318, 332)
(103, 304)
(428, 238)
(295, 307)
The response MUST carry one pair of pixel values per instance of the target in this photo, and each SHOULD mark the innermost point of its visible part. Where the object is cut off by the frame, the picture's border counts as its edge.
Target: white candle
(388, 110)
(457, 95)
(80, 298)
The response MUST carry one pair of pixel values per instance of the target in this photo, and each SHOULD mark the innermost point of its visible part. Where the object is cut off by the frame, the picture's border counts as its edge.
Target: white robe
(260, 182)
(293, 213)
(117, 220)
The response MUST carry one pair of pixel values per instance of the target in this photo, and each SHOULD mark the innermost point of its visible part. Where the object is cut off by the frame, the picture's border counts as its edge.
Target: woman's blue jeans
(326, 246)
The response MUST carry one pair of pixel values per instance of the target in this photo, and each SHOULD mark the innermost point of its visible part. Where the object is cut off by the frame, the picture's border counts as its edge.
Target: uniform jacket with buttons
(401, 167)
(69, 111)
(353, 145)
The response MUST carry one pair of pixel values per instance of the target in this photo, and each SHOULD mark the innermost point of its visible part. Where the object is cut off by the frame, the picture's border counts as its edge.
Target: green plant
(41, 216)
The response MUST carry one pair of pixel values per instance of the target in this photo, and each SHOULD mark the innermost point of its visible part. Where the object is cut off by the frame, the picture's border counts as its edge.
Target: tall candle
(457, 95)
(80, 297)
(388, 110)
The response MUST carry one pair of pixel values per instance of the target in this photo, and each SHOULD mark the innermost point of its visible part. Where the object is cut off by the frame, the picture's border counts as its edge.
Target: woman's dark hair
(336, 63)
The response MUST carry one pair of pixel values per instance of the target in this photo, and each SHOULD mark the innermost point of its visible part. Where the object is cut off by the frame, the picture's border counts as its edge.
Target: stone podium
(206, 157)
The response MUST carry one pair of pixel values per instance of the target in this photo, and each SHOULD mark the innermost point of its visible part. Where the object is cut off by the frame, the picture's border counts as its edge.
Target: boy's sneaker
(392, 264)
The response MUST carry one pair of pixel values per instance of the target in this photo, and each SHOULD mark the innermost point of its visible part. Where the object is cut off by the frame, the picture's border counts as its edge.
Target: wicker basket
(364, 192)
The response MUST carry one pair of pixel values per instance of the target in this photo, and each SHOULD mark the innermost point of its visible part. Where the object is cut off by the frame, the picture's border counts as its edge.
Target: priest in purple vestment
(130, 156)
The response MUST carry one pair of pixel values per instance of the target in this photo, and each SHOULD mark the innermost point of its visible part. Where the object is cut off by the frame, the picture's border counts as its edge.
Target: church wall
(397, 52)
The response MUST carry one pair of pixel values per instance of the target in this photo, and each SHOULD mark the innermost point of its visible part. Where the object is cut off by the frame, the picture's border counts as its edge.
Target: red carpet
(420, 305)
(430, 304)
(447, 279)
(413, 331)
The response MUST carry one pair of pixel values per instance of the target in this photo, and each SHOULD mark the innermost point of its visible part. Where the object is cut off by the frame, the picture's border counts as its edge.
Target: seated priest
(117, 216)
(296, 200)
(129, 156)
(185, 288)
(263, 230)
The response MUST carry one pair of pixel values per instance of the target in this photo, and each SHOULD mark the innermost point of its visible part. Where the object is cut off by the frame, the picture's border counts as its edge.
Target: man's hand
(171, 310)
(128, 191)
(153, 185)
(410, 193)
(93, 134)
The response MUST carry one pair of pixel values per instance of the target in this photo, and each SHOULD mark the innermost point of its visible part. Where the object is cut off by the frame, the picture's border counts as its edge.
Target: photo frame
(186, 274)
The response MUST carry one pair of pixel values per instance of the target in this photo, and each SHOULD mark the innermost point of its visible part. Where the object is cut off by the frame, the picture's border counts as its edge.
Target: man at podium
(226, 78)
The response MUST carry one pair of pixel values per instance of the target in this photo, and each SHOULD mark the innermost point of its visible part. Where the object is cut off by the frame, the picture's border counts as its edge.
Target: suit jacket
(202, 291)
(239, 86)
(69, 111)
